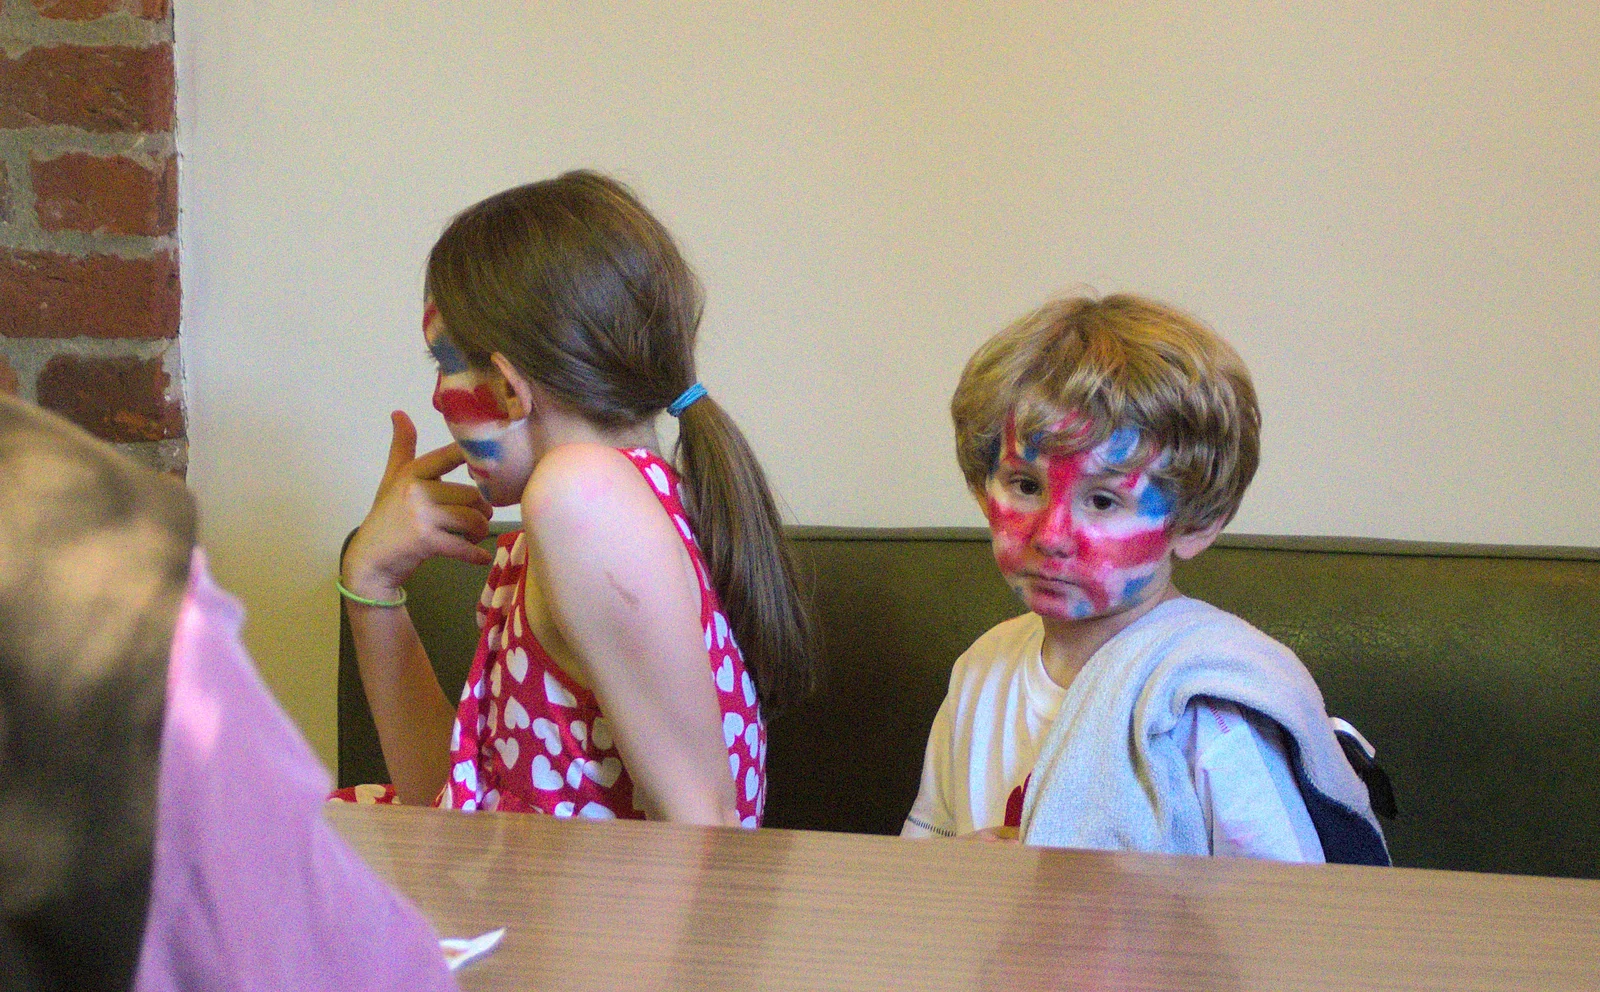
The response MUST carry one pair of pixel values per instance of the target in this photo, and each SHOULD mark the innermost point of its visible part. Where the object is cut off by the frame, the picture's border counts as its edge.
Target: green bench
(1474, 670)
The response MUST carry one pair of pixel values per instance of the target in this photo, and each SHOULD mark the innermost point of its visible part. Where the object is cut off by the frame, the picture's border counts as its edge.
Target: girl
(636, 629)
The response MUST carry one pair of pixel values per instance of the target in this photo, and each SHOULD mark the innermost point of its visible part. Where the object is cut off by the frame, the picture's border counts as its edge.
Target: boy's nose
(1054, 534)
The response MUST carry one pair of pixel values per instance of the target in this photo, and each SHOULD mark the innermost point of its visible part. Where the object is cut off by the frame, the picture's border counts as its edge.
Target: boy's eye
(1026, 486)
(1104, 501)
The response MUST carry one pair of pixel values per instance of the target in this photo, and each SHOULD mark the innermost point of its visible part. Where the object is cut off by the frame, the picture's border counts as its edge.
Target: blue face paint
(1030, 451)
(485, 451)
(1135, 587)
(1120, 445)
(451, 360)
(1154, 502)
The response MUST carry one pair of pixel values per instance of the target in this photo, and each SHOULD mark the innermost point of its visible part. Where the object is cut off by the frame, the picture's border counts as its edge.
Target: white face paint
(1074, 535)
(499, 459)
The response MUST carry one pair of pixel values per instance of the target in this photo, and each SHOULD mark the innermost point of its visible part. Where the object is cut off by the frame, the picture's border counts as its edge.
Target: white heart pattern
(732, 727)
(565, 808)
(547, 732)
(752, 738)
(517, 663)
(725, 675)
(509, 750)
(516, 715)
(657, 478)
(494, 720)
(749, 690)
(466, 773)
(601, 733)
(575, 774)
(557, 693)
(580, 730)
(494, 682)
(604, 772)
(733, 764)
(595, 811)
(491, 799)
(455, 734)
(722, 628)
(751, 782)
(544, 777)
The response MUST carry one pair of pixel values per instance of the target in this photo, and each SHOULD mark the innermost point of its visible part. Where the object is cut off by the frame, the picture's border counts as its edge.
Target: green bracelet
(364, 601)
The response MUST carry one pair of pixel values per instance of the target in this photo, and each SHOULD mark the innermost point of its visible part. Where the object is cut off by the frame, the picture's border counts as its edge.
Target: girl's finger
(457, 494)
(461, 549)
(432, 464)
(402, 443)
(462, 522)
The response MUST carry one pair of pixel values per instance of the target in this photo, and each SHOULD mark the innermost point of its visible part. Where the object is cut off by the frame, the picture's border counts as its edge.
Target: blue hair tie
(686, 399)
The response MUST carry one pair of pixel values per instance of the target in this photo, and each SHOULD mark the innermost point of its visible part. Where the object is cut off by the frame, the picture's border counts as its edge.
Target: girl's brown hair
(1121, 361)
(585, 293)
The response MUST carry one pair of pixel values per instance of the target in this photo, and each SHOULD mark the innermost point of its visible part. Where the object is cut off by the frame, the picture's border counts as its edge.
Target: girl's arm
(622, 591)
(414, 517)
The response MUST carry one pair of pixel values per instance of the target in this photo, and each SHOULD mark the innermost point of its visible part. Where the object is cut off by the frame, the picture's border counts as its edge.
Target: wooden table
(628, 906)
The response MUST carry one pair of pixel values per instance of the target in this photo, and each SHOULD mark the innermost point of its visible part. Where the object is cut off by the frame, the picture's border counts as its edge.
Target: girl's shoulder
(581, 478)
(586, 495)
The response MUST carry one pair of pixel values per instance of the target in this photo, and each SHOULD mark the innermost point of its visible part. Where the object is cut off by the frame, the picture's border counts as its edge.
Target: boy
(1106, 439)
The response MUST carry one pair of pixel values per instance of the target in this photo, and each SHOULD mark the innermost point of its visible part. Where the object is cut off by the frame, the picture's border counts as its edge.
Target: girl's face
(1075, 536)
(499, 456)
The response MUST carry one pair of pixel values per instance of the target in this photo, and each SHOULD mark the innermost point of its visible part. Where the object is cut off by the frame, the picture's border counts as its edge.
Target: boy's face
(1076, 537)
(499, 459)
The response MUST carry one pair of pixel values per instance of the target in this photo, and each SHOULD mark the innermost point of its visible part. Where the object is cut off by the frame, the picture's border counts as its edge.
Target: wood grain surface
(628, 905)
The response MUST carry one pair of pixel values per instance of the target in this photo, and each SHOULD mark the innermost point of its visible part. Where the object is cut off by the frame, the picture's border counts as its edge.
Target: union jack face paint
(1082, 535)
(474, 413)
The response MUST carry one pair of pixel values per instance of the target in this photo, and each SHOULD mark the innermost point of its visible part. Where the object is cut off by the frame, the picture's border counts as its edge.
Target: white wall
(1393, 216)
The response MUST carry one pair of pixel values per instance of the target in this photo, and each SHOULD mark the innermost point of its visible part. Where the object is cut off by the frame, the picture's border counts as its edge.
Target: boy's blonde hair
(1121, 361)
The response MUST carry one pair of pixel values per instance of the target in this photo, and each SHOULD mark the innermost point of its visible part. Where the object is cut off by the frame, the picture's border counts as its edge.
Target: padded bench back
(1475, 671)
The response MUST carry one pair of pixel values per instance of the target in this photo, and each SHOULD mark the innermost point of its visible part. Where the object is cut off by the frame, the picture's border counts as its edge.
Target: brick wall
(88, 219)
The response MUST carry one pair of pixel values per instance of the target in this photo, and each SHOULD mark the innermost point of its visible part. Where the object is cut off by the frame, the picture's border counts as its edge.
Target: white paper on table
(460, 952)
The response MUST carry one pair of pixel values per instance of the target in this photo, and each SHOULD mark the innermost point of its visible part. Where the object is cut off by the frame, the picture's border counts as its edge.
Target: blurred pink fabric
(251, 888)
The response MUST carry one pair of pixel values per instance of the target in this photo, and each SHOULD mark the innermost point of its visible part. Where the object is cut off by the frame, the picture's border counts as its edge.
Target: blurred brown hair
(94, 561)
(1121, 361)
(585, 293)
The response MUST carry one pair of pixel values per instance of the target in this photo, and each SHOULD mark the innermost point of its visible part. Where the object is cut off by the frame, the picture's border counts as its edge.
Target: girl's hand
(414, 517)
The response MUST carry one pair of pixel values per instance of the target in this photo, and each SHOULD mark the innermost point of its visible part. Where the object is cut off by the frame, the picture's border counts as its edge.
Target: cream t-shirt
(986, 738)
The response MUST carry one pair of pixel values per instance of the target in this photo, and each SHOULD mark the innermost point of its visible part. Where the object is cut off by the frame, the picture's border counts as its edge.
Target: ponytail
(574, 282)
(751, 565)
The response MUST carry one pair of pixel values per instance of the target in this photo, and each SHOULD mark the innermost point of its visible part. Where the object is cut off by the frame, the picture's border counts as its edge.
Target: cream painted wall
(1395, 216)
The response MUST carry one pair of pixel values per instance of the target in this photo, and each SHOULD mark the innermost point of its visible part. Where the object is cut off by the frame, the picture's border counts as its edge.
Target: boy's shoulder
(998, 652)
(1006, 640)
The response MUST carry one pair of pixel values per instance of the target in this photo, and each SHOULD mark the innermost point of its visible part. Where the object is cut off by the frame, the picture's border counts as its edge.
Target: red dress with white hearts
(528, 738)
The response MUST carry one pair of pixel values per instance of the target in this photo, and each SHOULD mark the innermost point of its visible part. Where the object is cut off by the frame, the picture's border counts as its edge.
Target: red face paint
(1076, 537)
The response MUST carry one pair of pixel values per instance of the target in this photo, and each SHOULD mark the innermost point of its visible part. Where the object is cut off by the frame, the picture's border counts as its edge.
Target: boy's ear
(519, 391)
(1191, 543)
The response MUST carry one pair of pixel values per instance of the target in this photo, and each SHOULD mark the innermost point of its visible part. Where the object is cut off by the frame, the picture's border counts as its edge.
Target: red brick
(89, 10)
(8, 378)
(44, 295)
(98, 88)
(118, 399)
(81, 192)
